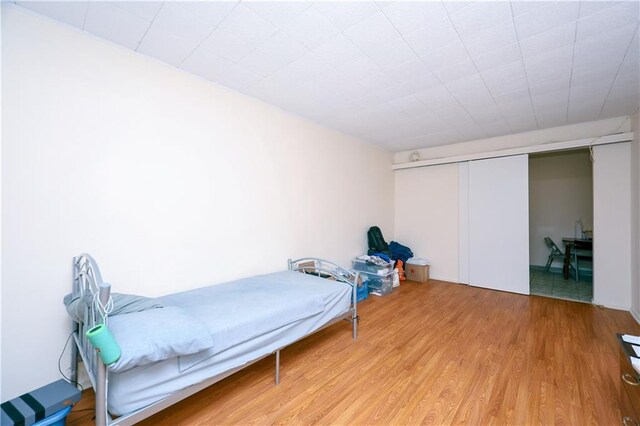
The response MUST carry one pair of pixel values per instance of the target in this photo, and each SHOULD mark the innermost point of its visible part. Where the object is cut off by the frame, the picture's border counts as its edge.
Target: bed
(245, 320)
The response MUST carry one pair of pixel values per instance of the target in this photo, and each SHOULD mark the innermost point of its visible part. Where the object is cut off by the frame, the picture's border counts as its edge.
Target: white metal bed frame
(87, 282)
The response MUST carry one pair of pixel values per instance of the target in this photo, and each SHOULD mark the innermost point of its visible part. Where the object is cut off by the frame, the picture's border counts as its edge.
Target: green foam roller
(107, 347)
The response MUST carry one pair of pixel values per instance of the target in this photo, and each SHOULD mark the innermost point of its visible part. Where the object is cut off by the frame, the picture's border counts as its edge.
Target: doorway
(561, 210)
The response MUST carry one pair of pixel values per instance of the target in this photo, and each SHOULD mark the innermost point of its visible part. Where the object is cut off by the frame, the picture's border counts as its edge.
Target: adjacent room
(320, 212)
(561, 213)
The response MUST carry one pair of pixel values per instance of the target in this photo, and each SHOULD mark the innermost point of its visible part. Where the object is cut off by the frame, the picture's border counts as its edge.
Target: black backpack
(376, 241)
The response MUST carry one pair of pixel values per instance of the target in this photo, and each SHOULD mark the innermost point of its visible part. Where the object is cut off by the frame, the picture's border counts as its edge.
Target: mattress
(248, 319)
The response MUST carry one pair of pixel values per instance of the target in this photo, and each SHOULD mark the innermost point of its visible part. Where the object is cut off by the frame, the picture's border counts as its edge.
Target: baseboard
(635, 314)
(445, 279)
(614, 306)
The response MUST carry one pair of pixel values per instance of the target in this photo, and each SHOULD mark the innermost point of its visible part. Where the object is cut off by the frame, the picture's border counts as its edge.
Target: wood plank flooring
(435, 353)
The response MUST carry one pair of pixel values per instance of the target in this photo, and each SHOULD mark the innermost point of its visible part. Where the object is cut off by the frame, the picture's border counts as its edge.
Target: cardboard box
(418, 273)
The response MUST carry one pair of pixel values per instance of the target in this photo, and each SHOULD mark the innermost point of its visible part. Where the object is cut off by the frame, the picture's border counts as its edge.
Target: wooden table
(576, 247)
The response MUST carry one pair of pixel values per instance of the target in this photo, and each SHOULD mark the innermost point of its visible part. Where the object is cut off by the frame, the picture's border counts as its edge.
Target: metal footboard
(327, 269)
(88, 285)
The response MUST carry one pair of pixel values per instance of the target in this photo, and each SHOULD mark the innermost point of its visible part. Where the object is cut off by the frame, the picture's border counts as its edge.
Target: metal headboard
(88, 285)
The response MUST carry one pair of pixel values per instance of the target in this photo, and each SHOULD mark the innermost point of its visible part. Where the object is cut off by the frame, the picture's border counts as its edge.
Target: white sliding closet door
(498, 221)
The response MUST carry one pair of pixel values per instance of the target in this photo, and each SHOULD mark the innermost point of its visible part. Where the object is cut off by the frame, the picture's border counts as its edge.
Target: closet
(490, 199)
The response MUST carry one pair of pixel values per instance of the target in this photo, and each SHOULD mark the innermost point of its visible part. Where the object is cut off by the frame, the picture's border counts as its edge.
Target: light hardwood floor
(435, 353)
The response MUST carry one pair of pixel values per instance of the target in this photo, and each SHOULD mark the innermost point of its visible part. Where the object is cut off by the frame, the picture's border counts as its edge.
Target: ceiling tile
(411, 70)
(311, 29)
(146, 10)
(212, 67)
(71, 13)
(625, 13)
(618, 107)
(311, 69)
(486, 114)
(471, 131)
(552, 117)
(494, 37)
(547, 100)
(496, 128)
(112, 23)
(515, 96)
(604, 51)
(584, 112)
(411, 106)
(522, 123)
(367, 99)
(461, 70)
(260, 63)
(408, 17)
(395, 91)
(438, 98)
(479, 16)
(516, 109)
(547, 66)
(631, 62)
(344, 14)
(605, 74)
(211, 12)
(505, 79)
(163, 45)
(372, 32)
(589, 7)
(392, 54)
(180, 22)
(366, 72)
(615, 107)
(279, 13)
(453, 114)
(498, 57)
(338, 50)
(283, 48)
(453, 5)
(520, 7)
(436, 35)
(227, 46)
(552, 14)
(243, 23)
(552, 39)
(447, 56)
(470, 90)
(589, 93)
(551, 85)
(625, 85)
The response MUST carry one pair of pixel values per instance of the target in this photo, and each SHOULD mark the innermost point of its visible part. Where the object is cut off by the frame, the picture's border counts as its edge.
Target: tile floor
(551, 284)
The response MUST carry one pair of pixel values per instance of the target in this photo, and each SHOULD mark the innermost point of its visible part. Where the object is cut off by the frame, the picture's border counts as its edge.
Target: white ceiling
(399, 74)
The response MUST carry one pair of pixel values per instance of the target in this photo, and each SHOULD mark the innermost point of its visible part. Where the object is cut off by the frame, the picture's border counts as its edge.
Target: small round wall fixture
(415, 156)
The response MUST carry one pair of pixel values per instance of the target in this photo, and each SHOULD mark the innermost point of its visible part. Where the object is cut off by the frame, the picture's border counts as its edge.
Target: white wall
(171, 182)
(1, 133)
(426, 216)
(560, 192)
(635, 217)
(524, 139)
(612, 225)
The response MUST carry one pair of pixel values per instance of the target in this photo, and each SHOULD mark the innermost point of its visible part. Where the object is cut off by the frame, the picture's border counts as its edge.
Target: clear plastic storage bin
(380, 286)
(361, 265)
